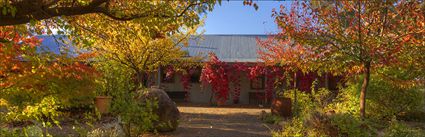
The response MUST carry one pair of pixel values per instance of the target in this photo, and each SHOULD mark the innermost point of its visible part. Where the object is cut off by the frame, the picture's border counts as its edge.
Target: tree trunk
(295, 94)
(363, 91)
(139, 80)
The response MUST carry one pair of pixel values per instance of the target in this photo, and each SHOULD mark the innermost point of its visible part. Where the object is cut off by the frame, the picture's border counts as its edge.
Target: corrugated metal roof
(228, 48)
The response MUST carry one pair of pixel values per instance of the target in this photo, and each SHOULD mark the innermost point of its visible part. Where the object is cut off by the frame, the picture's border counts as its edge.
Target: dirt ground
(205, 121)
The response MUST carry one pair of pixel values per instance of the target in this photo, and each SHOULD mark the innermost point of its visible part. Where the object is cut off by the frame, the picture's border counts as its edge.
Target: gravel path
(199, 121)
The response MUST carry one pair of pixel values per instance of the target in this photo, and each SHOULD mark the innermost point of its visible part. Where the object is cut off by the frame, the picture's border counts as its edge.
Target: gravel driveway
(202, 121)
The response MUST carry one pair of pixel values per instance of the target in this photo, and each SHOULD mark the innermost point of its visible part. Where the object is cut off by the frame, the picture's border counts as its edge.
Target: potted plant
(281, 106)
(103, 101)
(221, 102)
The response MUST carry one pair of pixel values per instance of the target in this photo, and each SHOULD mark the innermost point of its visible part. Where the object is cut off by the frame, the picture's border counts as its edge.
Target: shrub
(115, 81)
(417, 116)
(270, 118)
(294, 128)
(398, 129)
(29, 131)
(347, 101)
(43, 114)
(352, 126)
(318, 114)
(304, 102)
(386, 100)
(136, 116)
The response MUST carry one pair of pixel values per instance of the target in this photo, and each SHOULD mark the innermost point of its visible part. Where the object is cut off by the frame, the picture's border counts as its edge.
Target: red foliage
(305, 81)
(214, 72)
(13, 47)
(220, 74)
(22, 66)
(186, 81)
(238, 70)
(169, 73)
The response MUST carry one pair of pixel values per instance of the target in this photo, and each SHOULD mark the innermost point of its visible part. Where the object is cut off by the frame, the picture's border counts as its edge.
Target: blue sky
(232, 17)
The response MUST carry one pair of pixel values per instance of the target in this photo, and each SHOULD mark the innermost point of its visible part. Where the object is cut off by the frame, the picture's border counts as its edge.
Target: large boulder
(167, 110)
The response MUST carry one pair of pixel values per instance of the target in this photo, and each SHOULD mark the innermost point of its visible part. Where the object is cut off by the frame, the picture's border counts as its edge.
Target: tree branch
(27, 10)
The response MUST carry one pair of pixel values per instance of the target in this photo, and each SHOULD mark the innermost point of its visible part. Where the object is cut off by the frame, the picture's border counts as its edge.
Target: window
(167, 78)
(258, 83)
(195, 76)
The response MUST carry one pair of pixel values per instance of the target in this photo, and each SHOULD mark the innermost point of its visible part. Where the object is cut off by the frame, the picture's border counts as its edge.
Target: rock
(167, 110)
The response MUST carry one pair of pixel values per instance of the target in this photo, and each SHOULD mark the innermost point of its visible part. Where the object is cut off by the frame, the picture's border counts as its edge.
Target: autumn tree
(349, 37)
(14, 12)
(28, 75)
(11, 66)
(140, 45)
(47, 16)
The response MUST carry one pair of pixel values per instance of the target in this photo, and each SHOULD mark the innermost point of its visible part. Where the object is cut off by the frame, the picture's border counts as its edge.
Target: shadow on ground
(220, 122)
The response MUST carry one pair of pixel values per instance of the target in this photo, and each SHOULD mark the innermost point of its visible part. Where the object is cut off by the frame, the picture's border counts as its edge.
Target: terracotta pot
(103, 103)
(282, 107)
(221, 103)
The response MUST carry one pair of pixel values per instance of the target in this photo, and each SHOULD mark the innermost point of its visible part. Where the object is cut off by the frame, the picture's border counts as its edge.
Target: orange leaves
(286, 52)
(406, 38)
(13, 46)
(21, 66)
(87, 55)
(342, 35)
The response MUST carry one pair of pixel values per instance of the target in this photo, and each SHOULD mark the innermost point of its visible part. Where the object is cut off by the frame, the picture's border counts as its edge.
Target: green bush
(135, 115)
(115, 80)
(271, 119)
(347, 101)
(352, 126)
(398, 129)
(294, 128)
(385, 100)
(308, 118)
(320, 114)
(29, 131)
(417, 116)
(43, 115)
(303, 104)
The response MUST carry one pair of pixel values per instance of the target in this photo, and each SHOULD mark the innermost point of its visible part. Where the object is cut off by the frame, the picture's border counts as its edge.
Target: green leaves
(8, 9)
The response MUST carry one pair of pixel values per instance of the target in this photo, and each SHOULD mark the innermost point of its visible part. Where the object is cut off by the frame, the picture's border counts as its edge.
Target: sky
(232, 17)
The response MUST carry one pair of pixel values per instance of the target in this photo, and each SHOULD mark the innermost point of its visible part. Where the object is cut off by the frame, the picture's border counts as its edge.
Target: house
(231, 49)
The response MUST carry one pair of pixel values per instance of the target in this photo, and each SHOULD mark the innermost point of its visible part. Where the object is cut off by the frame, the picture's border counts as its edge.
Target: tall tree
(140, 45)
(349, 36)
(31, 75)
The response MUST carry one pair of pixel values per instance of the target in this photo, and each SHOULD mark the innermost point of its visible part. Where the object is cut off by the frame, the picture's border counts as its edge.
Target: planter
(103, 103)
(235, 101)
(221, 103)
(282, 107)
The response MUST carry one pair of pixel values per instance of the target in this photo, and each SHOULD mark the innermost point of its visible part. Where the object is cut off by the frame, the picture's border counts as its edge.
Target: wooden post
(159, 77)
(295, 93)
(327, 81)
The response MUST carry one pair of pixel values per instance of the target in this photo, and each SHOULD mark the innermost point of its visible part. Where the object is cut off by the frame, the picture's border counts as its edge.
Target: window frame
(261, 79)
